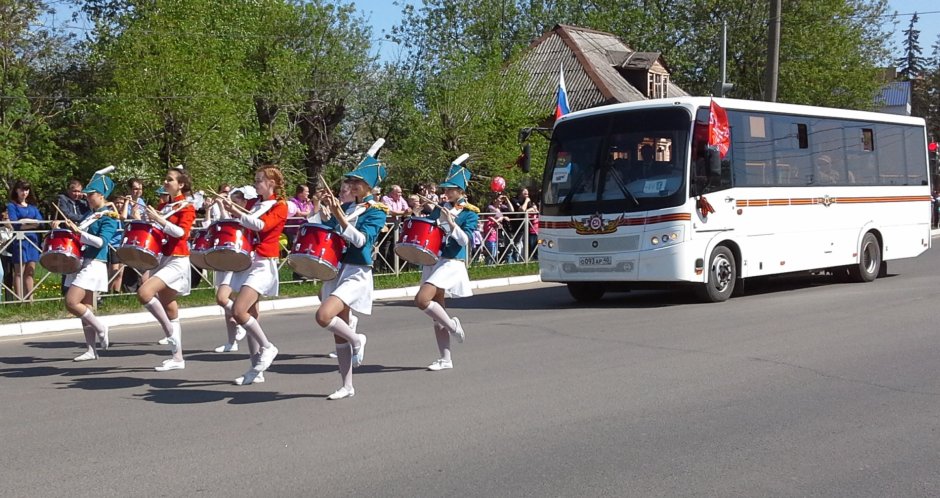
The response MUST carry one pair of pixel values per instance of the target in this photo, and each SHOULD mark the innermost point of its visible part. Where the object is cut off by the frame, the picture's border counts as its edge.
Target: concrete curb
(40, 327)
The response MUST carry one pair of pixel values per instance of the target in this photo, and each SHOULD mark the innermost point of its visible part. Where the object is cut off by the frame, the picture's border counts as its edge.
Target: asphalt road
(802, 387)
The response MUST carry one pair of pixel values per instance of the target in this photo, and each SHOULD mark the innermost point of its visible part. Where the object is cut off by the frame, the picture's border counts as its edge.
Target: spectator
(825, 173)
(532, 213)
(397, 205)
(432, 193)
(6, 266)
(25, 252)
(414, 204)
(115, 268)
(299, 208)
(213, 207)
(72, 203)
(300, 204)
(494, 233)
(137, 206)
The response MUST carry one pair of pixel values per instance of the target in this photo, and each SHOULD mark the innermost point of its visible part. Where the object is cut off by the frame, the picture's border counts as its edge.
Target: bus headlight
(666, 238)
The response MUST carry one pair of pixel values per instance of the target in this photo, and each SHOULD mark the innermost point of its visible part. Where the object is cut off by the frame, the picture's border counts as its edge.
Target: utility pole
(723, 86)
(773, 52)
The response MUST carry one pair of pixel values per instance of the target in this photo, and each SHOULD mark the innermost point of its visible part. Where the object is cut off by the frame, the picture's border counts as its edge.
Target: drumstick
(220, 196)
(66, 219)
(326, 185)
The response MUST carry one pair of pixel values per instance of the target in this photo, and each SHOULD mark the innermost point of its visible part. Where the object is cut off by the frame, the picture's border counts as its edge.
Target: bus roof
(693, 103)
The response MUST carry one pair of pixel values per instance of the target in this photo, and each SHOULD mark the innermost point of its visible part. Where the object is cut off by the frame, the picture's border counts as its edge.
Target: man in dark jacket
(72, 203)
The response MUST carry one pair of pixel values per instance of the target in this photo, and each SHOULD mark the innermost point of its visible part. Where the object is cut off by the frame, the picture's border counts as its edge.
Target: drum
(316, 252)
(142, 244)
(199, 244)
(420, 242)
(61, 251)
(231, 248)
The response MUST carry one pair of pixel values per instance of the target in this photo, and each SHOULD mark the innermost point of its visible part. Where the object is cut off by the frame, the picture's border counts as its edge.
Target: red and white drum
(142, 244)
(420, 241)
(316, 252)
(199, 244)
(231, 248)
(61, 252)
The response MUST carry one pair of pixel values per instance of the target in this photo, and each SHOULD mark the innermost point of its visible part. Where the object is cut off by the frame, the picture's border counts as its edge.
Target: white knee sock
(92, 321)
(443, 341)
(230, 325)
(155, 307)
(344, 358)
(437, 313)
(254, 330)
(340, 328)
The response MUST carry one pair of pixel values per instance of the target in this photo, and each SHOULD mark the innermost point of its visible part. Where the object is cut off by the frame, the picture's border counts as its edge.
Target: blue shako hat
(370, 169)
(458, 176)
(100, 182)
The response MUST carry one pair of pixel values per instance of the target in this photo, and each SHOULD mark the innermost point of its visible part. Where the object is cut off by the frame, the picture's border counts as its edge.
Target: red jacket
(268, 244)
(184, 219)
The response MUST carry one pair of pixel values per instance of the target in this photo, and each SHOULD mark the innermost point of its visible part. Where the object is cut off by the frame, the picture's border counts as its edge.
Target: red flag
(719, 133)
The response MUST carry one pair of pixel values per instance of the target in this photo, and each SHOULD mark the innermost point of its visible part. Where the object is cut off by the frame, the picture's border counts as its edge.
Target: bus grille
(584, 244)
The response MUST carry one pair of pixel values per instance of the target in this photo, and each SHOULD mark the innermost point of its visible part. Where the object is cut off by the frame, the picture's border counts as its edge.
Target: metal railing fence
(507, 242)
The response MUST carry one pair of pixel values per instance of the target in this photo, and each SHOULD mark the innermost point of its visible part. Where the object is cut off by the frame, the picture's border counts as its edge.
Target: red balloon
(498, 184)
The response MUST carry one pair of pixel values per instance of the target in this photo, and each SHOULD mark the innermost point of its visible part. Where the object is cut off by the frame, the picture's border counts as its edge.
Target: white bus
(801, 188)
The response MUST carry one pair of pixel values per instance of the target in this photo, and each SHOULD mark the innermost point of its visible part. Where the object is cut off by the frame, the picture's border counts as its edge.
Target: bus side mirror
(713, 160)
(525, 158)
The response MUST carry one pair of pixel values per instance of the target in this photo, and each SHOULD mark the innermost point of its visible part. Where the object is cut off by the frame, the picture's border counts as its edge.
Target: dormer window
(657, 85)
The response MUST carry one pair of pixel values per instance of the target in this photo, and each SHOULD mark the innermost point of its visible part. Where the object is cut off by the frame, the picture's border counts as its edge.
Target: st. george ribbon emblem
(595, 224)
(824, 200)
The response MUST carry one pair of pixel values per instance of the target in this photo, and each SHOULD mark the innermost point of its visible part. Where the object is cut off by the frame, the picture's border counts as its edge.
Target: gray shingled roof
(590, 59)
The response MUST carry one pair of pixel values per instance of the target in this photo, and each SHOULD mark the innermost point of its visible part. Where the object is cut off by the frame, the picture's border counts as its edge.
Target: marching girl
(95, 231)
(172, 276)
(223, 279)
(358, 222)
(448, 277)
(266, 218)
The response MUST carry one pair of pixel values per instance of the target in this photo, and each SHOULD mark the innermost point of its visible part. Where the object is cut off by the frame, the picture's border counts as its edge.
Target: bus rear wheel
(722, 275)
(586, 292)
(869, 261)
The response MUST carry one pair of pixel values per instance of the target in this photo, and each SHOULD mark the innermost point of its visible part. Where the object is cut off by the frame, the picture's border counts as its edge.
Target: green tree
(31, 59)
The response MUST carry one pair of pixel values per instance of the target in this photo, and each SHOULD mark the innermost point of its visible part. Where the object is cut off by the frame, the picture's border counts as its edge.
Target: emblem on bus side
(595, 224)
(825, 200)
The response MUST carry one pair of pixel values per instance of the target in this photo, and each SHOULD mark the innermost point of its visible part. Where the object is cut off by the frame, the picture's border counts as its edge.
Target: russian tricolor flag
(561, 105)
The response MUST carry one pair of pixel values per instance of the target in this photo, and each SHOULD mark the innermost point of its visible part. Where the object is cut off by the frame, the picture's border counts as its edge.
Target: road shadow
(193, 396)
(315, 368)
(557, 296)
(71, 371)
(111, 383)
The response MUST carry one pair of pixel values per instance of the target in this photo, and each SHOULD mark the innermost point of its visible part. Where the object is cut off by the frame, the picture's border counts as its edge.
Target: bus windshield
(618, 162)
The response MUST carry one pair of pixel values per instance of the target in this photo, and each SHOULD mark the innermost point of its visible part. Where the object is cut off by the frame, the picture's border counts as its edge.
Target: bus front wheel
(722, 275)
(586, 292)
(869, 262)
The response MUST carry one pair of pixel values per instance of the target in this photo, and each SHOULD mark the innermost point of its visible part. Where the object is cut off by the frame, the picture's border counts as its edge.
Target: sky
(383, 14)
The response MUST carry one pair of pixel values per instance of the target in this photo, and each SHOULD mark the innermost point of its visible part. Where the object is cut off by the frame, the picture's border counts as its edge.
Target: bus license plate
(594, 261)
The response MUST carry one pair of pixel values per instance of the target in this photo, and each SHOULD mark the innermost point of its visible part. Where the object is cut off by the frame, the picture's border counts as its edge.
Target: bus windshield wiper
(575, 186)
(623, 188)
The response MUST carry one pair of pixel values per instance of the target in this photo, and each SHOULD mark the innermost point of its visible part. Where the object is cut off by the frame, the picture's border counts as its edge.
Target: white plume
(105, 171)
(375, 147)
(463, 157)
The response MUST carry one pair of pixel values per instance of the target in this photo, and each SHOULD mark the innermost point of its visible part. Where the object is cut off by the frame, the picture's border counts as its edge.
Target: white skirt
(93, 276)
(353, 286)
(262, 276)
(220, 278)
(175, 273)
(450, 275)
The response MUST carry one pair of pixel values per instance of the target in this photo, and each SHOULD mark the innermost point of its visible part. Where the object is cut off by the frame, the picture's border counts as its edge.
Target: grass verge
(204, 296)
